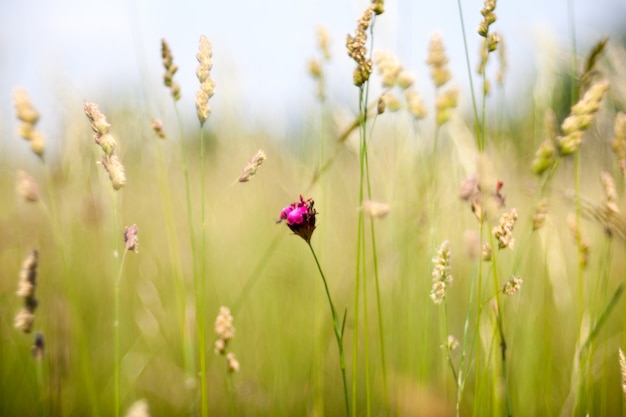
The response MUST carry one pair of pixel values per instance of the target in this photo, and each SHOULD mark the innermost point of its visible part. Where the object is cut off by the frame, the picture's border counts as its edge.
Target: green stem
(201, 286)
(500, 323)
(469, 74)
(116, 323)
(338, 329)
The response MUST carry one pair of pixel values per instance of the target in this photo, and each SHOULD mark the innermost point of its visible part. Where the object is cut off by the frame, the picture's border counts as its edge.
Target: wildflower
(251, 167)
(26, 187)
(441, 273)
(224, 329)
(300, 217)
(131, 240)
(512, 286)
(207, 85)
(503, 232)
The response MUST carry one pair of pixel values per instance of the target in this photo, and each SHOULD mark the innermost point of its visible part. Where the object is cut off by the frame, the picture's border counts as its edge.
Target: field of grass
(424, 319)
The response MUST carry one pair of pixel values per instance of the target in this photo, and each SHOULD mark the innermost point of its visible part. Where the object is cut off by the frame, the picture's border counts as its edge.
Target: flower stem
(338, 329)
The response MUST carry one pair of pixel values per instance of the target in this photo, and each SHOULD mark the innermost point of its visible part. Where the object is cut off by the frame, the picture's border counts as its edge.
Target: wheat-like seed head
(170, 70)
(580, 118)
(28, 117)
(438, 61)
(357, 50)
(207, 85)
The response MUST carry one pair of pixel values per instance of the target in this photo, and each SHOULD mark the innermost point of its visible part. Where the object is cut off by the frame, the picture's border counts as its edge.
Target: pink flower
(300, 217)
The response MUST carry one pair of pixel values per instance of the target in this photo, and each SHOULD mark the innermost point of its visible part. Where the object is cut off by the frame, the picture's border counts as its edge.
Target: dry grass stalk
(25, 318)
(28, 117)
(207, 84)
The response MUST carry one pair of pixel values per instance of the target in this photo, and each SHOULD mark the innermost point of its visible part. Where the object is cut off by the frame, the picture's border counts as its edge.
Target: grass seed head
(157, 127)
(170, 70)
(442, 278)
(26, 187)
(251, 167)
(207, 85)
(438, 61)
(357, 50)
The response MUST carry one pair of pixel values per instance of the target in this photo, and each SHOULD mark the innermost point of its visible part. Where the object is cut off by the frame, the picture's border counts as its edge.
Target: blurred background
(91, 50)
(64, 52)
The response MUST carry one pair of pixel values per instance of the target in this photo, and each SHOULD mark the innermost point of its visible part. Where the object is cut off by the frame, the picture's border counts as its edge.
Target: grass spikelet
(580, 118)
(107, 143)
(618, 144)
(581, 242)
(157, 128)
(622, 366)
(26, 187)
(512, 286)
(25, 318)
(357, 50)
(170, 70)
(29, 117)
(251, 167)
(207, 84)
(438, 61)
(442, 278)
(503, 232)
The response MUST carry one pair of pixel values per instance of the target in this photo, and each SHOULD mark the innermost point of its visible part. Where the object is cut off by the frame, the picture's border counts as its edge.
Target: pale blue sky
(76, 49)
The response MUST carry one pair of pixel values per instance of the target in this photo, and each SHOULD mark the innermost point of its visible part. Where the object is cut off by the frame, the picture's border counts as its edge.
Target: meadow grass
(469, 291)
